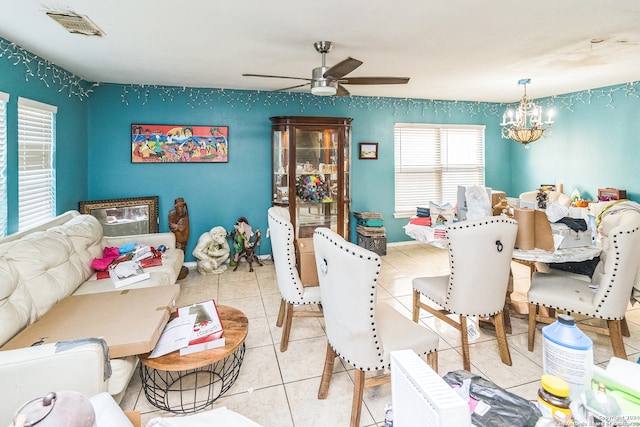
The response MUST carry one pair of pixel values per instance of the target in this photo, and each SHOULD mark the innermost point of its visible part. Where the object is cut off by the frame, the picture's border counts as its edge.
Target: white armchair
(480, 261)
(291, 289)
(31, 372)
(607, 295)
(361, 330)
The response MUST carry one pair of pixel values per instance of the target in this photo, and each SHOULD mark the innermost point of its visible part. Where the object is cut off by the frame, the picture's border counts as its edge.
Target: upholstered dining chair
(479, 263)
(294, 295)
(361, 330)
(606, 294)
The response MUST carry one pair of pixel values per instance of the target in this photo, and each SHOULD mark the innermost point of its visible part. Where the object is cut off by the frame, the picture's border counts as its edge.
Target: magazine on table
(126, 272)
(175, 336)
(208, 331)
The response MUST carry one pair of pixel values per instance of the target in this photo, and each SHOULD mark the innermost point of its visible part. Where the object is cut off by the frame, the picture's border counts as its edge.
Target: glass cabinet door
(311, 160)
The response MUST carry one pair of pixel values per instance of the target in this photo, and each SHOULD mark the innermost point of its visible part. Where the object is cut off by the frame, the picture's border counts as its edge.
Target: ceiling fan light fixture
(324, 87)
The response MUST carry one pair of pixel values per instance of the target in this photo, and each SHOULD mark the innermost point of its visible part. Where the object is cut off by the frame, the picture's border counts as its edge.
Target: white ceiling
(451, 49)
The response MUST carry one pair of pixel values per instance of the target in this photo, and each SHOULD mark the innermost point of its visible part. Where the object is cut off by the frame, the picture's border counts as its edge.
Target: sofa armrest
(151, 239)
(28, 373)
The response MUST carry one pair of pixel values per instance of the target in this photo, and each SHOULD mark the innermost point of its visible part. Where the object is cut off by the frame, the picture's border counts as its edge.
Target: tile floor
(280, 389)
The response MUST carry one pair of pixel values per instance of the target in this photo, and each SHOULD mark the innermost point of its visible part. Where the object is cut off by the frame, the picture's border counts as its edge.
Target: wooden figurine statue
(179, 225)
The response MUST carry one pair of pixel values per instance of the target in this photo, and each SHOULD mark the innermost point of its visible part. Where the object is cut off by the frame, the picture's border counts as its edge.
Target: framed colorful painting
(179, 144)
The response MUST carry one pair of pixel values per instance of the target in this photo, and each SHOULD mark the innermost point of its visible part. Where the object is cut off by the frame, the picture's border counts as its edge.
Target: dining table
(436, 236)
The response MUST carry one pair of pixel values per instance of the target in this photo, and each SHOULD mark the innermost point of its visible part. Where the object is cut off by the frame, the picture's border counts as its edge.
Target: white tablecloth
(578, 254)
(426, 234)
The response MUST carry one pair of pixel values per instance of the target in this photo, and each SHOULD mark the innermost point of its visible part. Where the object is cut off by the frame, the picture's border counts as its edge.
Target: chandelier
(525, 125)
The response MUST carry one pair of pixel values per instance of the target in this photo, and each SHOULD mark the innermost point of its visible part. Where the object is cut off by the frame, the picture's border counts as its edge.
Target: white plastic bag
(478, 203)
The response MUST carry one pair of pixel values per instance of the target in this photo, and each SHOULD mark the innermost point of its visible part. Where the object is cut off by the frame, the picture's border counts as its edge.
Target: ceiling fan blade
(290, 87)
(375, 80)
(342, 91)
(276, 77)
(343, 68)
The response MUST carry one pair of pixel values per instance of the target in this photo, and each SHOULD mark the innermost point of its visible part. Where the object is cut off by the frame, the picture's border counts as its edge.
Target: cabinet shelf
(310, 161)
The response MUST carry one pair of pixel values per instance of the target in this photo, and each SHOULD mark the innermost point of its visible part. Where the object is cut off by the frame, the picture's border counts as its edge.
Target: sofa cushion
(95, 285)
(121, 372)
(165, 274)
(16, 306)
(46, 267)
(85, 234)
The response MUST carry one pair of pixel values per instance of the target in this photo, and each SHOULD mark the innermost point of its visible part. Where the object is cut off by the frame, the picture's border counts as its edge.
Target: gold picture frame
(123, 217)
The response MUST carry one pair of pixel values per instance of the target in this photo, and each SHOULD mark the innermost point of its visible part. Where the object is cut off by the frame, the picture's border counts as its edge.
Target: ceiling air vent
(76, 24)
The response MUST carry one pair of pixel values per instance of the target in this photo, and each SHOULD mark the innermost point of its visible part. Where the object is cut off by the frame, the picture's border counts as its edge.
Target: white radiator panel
(420, 397)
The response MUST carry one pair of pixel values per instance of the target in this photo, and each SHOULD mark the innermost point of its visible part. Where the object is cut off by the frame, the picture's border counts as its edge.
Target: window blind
(36, 172)
(4, 98)
(431, 160)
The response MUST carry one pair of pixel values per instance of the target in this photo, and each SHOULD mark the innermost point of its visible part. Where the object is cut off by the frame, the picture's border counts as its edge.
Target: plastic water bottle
(568, 353)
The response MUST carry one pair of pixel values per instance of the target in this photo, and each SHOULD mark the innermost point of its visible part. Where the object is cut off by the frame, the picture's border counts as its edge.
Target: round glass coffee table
(189, 383)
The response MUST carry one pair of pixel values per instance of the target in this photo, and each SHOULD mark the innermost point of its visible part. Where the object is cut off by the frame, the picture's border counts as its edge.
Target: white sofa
(40, 267)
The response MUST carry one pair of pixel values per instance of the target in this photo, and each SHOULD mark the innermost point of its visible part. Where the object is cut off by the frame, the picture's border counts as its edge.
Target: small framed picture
(368, 151)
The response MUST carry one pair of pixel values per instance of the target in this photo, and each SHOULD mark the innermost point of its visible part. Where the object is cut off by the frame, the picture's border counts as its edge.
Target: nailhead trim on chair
(460, 225)
(609, 285)
(291, 262)
(373, 329)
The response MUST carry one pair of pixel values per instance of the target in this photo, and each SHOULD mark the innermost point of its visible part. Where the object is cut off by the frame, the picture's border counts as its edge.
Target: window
(4, 98)
(36, 173)
(432, 160)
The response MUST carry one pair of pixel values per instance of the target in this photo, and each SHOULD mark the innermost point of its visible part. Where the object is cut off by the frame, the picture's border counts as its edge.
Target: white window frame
(431, 160)
(4, 100)
(36, 162)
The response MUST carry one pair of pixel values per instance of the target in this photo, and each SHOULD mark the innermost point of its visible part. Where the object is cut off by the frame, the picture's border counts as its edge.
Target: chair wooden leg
(286, 330)
(615, 334)
(501, 336)
(416, 306)
(624, 327)
(325, 381)
(432, 360)
(533, 308)
(358, 394)
(466, 359)
(283, 308)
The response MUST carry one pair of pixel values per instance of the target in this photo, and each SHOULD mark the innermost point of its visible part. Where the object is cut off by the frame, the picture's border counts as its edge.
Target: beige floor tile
(240, 289)
(259, 333)
(301, 328)
(252, 306)
(259, 370)
(268, 406)
(304, 359)
(193, 294)
(309, 411)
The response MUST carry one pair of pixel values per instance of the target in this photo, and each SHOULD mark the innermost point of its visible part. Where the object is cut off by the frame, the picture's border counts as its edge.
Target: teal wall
(593, 144)
(71, 131)
(219, 193)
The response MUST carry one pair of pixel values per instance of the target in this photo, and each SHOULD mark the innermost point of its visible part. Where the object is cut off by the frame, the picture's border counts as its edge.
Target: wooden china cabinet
(311, 159)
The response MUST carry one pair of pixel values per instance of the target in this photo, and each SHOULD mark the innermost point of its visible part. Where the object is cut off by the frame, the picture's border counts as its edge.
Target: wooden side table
(185, 384)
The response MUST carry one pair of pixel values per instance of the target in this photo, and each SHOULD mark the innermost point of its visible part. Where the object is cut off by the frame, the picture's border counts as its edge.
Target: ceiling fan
(326, 81)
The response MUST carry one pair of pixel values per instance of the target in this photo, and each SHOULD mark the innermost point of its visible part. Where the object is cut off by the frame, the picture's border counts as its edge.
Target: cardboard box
(306, 262)
(571, 239)
(130, 321)
(134, 417)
